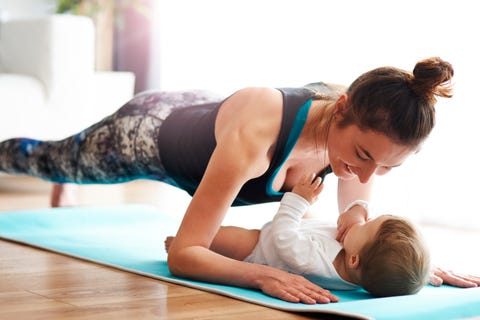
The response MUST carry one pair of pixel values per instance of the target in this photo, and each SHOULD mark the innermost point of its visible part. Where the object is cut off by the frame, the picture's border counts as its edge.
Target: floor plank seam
(52, 299)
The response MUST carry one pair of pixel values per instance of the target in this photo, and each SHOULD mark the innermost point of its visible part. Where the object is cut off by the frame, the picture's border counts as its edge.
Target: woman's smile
(347, 173)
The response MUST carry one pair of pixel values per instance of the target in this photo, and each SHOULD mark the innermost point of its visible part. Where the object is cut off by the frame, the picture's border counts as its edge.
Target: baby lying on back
(385, 256)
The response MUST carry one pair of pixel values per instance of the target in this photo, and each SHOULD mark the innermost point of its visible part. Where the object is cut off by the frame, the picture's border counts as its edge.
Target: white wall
(20, 8)
(225, 45)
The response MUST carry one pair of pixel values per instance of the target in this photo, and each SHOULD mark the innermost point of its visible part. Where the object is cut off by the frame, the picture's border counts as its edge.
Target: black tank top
(187, 140)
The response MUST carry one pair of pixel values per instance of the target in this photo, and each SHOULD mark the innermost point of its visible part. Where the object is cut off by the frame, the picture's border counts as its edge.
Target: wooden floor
(36, 284)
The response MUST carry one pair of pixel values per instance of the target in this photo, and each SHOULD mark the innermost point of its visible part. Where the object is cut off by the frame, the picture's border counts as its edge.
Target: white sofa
(48, 86)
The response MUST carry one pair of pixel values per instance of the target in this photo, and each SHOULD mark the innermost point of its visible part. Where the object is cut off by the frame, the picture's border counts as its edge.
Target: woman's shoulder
(253, 101)
(257, 94)
(253, 113)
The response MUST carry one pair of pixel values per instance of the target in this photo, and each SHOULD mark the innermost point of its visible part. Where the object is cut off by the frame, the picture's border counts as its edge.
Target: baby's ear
(354, 261)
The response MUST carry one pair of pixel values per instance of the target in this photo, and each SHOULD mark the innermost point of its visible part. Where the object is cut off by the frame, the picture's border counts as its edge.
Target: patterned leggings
(119, 148)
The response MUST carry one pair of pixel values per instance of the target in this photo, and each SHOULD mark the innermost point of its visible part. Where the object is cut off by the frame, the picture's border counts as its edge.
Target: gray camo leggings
(119, 148)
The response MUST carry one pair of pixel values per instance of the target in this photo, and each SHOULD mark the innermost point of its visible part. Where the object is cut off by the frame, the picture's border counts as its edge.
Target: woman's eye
(361, 157)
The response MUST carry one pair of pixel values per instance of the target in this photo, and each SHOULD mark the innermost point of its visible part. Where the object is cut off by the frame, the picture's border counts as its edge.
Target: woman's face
(356, 153)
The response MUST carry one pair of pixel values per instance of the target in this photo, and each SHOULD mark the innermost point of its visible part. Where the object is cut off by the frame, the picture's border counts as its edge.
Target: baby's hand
(309, 187)
(346, 220)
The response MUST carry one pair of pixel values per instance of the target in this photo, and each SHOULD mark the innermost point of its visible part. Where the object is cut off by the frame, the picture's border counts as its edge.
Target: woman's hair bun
(431, 78)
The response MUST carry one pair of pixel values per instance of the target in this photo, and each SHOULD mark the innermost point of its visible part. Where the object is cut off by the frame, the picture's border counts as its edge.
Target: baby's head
(392, 259)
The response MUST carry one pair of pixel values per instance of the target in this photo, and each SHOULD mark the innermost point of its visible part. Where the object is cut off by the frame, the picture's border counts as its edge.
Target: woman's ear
(341, 105)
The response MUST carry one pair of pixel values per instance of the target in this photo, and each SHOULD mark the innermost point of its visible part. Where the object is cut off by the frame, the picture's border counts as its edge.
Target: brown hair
(398, 103)
(396, 262)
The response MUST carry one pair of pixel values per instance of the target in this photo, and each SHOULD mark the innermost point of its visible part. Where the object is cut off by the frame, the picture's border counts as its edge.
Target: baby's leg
(233, 242)
(168, 242)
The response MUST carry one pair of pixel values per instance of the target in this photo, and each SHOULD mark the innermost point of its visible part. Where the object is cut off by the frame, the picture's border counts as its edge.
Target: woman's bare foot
(168, 242)
(63, 195)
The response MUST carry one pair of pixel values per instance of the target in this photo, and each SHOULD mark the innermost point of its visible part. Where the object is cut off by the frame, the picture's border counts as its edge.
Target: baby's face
(362, 233)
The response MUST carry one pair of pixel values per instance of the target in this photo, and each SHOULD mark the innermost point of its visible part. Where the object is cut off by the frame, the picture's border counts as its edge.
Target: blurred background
(225, 45)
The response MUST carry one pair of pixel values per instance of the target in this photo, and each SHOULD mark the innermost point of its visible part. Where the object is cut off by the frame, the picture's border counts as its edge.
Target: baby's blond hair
(396, 262)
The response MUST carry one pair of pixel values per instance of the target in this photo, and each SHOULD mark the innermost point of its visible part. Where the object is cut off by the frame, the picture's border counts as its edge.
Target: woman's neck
(317, 126)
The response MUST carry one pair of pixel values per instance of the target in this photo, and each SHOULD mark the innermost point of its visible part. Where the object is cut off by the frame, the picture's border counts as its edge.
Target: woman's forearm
(201, 264)
(351, 190)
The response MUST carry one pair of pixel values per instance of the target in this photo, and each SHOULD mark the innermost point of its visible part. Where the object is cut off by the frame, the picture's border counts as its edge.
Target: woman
(249, 148)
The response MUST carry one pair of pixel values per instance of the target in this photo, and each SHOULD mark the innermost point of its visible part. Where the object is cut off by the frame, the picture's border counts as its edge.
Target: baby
(385, 256)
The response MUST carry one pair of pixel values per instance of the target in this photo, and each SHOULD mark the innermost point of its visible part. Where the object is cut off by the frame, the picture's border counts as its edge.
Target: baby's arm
(309, 187)
(292, 246)
(356, 212)
(233, 242)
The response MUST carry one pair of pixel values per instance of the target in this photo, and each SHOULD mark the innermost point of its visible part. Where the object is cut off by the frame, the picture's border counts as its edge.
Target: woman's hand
(293, 288)
(440, 276)
(346, 220)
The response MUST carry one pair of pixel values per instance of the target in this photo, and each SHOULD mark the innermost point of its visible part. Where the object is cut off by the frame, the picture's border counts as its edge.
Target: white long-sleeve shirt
(300, 246)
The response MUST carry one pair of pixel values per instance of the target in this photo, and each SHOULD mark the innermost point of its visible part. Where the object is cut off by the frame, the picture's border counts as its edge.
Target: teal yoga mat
(130, 237)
